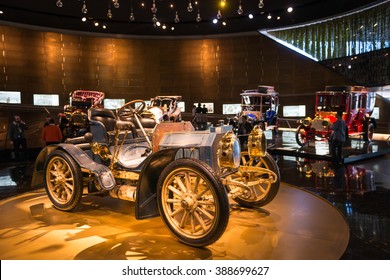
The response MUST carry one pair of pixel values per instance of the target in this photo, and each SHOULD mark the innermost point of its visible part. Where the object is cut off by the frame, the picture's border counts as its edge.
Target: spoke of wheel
(180, 183)
(193, 225)
(206, 203)
(202, 193)
(178, 211)
(206, 213)
(183, 219)
(187, 181)
(176, 191)
(196, 185)
(173, 200)
(200, 221)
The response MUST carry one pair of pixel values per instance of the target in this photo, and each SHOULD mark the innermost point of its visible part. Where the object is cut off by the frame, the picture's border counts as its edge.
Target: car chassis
(187, 177)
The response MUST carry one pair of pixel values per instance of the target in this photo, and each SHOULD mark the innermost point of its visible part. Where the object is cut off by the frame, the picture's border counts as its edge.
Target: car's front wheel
(193, 202)
(63, 180)
(301, 135)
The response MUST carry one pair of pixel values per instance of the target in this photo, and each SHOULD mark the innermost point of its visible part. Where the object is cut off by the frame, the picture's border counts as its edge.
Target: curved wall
(201, 70)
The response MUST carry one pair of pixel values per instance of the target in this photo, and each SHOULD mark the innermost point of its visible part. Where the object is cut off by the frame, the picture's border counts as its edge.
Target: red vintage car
(356, 103)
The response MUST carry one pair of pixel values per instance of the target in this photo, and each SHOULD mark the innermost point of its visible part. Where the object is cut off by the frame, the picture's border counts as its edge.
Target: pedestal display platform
(296, 225)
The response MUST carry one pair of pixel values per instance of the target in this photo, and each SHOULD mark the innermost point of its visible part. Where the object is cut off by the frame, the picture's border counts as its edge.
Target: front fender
(146, 201)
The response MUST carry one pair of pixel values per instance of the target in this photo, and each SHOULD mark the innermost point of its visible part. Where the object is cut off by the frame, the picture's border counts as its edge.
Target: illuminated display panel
(112, 104)
(375, 113)
(182, 106)
(230, 109)
(11, 97)
(294, 111)
(209, 106)
(46, 100)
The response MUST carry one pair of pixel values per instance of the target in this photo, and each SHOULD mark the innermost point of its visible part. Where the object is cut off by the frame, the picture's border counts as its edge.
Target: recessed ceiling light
(215, 21)
(290, 9)
(250, 16)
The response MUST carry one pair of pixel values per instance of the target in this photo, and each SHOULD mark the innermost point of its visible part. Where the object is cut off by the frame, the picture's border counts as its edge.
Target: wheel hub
(188, 203)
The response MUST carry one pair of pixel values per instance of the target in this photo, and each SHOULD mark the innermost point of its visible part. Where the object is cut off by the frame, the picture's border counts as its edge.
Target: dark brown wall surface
(201, 70)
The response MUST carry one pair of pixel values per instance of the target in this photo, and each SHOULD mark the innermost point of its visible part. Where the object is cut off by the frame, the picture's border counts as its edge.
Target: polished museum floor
(321, 212)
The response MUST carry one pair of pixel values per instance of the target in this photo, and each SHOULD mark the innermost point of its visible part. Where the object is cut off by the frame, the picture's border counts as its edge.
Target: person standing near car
(51, 134)
(337, 139)
(17, 137)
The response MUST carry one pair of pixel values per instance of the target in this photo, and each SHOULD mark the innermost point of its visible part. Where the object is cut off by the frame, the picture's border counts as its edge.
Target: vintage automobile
(261, 106)
(356, 103)
(74, 120)
(187, 177)
(164, 108)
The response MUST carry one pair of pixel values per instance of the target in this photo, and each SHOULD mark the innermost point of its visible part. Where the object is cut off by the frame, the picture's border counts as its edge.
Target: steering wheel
(130, 109)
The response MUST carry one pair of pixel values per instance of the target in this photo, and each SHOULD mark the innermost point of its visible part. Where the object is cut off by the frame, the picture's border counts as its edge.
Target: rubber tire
(369, 133)
(267, 162)
(297, 138)
(217, 189)
(75, 171)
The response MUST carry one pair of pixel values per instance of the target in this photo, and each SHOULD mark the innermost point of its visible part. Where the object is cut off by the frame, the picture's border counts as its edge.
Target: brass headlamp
(257, 142)
(229, 151)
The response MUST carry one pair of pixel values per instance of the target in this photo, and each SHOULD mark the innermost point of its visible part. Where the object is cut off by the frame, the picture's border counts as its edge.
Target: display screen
(112, 104)
(12, 97)
(294, 111)
(46, 100)
(230, 109)
(209, 106)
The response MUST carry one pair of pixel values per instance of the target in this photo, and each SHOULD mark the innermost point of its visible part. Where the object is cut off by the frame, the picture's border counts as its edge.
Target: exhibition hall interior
(195, 130)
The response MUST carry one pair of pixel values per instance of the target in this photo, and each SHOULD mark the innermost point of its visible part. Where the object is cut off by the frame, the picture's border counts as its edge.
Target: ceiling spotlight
(83, 19)
(164, 26)
(269, 16)
(278, 18)
(158, 23)
(222, 3)
(290, 9)
(104, 26)
(224, 23)
(59, 4)
(250, 16)
(172, 28)
(96, 23)
(215, 21)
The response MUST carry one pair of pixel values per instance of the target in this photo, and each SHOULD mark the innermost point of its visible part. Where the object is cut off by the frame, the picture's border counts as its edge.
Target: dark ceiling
(46, 13)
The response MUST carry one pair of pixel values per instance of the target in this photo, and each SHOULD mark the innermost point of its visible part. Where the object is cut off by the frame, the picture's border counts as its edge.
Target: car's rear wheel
(193, 202)
(63, 181)
(262, 185)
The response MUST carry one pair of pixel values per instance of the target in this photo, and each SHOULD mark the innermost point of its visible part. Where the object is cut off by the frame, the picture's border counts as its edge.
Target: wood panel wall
(201, 70)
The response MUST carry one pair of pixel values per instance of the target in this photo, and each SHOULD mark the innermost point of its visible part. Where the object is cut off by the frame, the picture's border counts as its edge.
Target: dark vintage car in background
(74, 121)
(261, 106)
(356, 103)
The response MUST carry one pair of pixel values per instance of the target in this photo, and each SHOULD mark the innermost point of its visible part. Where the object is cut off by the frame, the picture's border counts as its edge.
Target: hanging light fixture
(116, 4)
(131, 17)
(59, 3)
(261, 4)
(176, 19)
(190, 8)
(240, 10)
(219, 15)
(84, 9)
(109, 13)
(198, 18)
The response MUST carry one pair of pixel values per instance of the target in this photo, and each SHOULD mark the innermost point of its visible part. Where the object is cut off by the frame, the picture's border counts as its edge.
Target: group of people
(51, 134)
